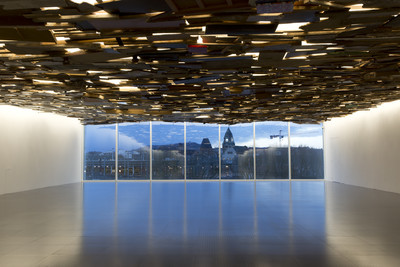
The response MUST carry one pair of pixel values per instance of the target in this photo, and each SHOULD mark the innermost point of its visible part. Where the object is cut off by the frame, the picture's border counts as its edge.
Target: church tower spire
(228, 140)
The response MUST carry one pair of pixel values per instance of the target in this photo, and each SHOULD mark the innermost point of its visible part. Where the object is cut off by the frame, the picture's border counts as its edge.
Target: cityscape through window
(177, 151)
(99, 148)
(306, 149)
(272, 157)
(202, 148)
(168, 151)
(237, 151)
(134, 151)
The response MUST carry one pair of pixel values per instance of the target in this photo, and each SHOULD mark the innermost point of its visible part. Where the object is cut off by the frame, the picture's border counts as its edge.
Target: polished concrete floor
(266, 223)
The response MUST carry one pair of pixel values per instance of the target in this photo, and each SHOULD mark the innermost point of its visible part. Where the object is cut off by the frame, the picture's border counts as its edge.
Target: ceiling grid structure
(210, 61)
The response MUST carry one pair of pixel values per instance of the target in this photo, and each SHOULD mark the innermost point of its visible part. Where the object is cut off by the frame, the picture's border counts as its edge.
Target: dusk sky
(133, 135)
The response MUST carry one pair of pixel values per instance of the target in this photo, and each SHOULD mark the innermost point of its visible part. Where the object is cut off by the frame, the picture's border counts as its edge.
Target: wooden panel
(119, 61)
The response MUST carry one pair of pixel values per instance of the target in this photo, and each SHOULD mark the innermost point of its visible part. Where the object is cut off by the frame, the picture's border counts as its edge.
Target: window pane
(99, 152)
(237, 151)
(134, 151)
(202, 160)
(168, 154)
(272, 161)
(306, 151)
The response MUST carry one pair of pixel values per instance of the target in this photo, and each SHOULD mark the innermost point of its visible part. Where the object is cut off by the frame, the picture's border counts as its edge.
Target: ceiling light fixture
(202, 117)
(73, 50)
(129, 89)
(290, 27)
(49, 8)
(359, 7)
(92, 2)
(46, 82)
(114, 81)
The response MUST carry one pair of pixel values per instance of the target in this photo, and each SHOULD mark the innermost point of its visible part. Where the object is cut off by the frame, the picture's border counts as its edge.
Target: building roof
(205, 144)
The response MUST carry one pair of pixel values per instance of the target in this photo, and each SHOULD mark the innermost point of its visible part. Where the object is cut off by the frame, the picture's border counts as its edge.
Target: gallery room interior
(199, 133)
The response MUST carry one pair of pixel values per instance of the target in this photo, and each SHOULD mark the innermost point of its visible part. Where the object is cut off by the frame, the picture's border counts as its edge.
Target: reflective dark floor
(302, 223)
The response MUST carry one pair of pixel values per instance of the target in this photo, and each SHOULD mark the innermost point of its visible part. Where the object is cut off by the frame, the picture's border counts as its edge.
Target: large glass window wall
(195, 151)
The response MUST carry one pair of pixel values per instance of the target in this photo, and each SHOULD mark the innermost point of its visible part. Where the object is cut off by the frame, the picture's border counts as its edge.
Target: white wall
(38, 149)
(363, 149)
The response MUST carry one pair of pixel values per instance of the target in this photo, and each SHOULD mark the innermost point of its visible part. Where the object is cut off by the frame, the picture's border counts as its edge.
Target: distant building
(134, 164)
(203, 162)
(205, 145)
(168, 161)
(99, 165)
(229, 157)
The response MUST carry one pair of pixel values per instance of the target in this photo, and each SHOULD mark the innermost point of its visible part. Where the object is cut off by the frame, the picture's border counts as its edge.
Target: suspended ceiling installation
(214, 61)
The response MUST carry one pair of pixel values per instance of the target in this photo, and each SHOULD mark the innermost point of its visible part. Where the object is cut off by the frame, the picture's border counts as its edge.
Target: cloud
(126, 142)
(102, 139)
(264, 142)
(295, 141)
(248, 142)
(309, 130)
(310, 141)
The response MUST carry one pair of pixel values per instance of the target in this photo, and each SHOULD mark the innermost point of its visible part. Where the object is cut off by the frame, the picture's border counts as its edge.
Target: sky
(134, 135)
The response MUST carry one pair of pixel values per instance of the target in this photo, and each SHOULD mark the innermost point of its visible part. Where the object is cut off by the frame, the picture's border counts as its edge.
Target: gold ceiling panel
(211, 61)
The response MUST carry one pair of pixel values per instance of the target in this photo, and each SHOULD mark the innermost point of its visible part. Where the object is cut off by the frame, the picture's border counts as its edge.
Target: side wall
(363, 148)
(38, 149)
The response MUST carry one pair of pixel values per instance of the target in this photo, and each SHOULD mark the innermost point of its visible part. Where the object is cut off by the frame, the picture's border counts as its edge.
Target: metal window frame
(151, 152)
(116, 152)
(219, 153)
(184, 152)
(83, 154)
(289, 153)
(254, 153)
